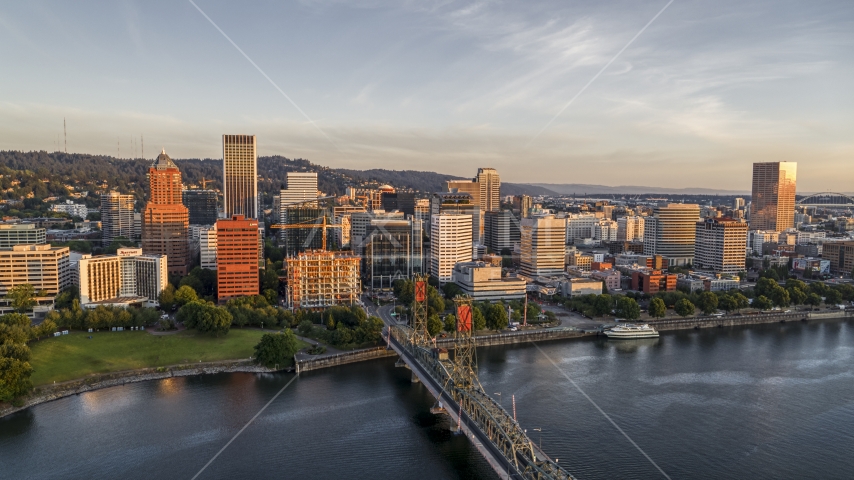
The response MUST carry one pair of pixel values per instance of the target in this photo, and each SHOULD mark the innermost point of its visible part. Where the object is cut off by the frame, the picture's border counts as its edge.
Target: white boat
(630, 330)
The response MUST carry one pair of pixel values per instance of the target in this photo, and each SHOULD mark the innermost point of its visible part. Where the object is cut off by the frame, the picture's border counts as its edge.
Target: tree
(434, 325)
(45, 329)
(276, 348)
(192, 282)
(780, 297)
(496, 317)
(740, 300)
(185, 295)
(18, 351)
(727, 303)
(657, 308)
(14, 378)
(797, 295)
(269, 278)
(22, 297)
(603, 305)
(167, 297)
(450, 323)
(451, 290)
(832, 297)
(813, 300)
(478, 318)
(762, 303)
(305, 327)
(628, 308)
(708, 302)
(684, 307)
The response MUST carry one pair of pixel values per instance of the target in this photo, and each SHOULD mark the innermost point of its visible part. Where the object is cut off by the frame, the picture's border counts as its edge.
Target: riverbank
(47, 393)
(746, 320)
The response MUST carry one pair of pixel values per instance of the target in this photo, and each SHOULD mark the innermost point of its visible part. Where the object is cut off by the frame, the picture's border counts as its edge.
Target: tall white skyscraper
(450, 243)
(240, 175)
(300, 190)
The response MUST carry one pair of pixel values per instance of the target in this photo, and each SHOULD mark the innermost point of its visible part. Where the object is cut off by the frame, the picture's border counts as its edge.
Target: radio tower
(65, 134)
(142, 145)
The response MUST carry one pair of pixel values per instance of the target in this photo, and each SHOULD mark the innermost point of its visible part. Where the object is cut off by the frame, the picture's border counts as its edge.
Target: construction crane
(323, 225)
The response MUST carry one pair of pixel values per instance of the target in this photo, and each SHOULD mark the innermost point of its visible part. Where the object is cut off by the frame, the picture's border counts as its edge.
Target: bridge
(452, 380)
(827, 200)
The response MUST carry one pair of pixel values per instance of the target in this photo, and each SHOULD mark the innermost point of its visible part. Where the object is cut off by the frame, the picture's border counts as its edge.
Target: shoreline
(50, 392)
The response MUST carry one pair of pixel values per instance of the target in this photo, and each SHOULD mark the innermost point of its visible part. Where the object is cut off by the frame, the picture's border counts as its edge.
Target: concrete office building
(121, 279)
(483, 282)
(240, 176)
(543, 246)
(117, 217)
(773, 200)
(42, 266)
(237, 257)
(400, 201)
(671, 232)
(201, 206)
(720, 245)
(485, 189)
(297, 203)
(392, 251)
(840, 255)
(630, 228)
(12, 234)
(580, 226)
(456, 203)
(501, 230)
(165, 220)
(605, 230)
(207, 247)
(450, 243)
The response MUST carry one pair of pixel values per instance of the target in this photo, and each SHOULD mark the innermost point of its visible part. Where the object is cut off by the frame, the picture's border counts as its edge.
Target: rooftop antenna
(118, 148)
(65, 134)
(142, 144)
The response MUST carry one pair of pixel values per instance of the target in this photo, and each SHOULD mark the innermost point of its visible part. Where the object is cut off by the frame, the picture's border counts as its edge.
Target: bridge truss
(458, 379)
(827, 200)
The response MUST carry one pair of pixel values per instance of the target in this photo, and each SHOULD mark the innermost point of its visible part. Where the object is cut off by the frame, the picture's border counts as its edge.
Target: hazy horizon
(704, 91)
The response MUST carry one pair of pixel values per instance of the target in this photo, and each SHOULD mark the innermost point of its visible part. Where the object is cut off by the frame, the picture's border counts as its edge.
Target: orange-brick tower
(165, 220)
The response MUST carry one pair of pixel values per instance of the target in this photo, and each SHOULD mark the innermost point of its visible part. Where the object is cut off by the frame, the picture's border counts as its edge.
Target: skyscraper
(773, 201)
(543, 246)
(490, 189)
(721, 245)
(201, 205)
(671, 232)
(237, 257)
(117, 217)
(450, 243)
(240, 175)
(165, 220)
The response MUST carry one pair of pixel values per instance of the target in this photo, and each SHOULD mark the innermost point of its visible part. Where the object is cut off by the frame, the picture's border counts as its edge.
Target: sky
(705, 90)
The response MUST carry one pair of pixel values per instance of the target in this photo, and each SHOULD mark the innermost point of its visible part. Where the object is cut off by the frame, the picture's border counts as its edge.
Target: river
(766, 401)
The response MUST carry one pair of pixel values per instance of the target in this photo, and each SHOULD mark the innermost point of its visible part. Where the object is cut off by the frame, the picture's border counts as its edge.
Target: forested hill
(42, 175)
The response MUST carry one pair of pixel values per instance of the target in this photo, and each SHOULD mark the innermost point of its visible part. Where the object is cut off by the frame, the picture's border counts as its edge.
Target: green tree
(813, 300)
(628, 308)
(45, 329)
(185, 294)
(167, 297)
(708, 302)
(780, 297)
(740, 300)
(14, 378)
(478, 318)
(684, 308)
(276, 348)
(18, 351)
(269, 278)
(727, 303)
(657, 308)
(603, 305)
(305, 327)
(832, 297)
(451, 290)
(330, 322)
(450, 323)
(22, 297)
(192, 282)
(434, 325)
(762, 303)
(496, 317)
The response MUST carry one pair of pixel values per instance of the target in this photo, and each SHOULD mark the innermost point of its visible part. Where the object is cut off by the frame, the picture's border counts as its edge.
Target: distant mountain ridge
(587, 189)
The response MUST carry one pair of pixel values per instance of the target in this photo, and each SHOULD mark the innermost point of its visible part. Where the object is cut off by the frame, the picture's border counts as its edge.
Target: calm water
(764, 402)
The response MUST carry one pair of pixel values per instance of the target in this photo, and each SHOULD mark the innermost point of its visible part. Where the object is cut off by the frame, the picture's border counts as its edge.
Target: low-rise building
(483, 281)
(611, 278)
(579, 261)
(581, 286)
(840, 255)
(71, 208)
(651, 281)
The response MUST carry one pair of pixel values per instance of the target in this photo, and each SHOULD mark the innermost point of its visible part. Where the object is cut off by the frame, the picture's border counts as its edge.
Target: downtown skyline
(701, 94)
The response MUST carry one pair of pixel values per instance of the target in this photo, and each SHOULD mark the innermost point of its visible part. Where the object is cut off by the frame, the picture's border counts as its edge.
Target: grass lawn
(74, 356)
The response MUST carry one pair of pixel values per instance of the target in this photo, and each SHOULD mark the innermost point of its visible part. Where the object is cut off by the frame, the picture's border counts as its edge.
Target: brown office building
(773, 201)
(237, 257)
(653, 281)
(840, 255)
(165, 220)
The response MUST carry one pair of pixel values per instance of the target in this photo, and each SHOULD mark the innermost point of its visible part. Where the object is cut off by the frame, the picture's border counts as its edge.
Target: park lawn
(68, 357)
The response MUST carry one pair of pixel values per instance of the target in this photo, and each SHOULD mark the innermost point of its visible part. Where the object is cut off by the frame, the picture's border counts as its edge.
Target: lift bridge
(453, 382)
